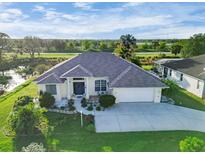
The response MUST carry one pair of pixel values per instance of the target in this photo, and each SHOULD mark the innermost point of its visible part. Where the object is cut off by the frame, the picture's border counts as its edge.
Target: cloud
(52, 14)
(39, 8)
(11, 15)
(150, 20)
(82, 5)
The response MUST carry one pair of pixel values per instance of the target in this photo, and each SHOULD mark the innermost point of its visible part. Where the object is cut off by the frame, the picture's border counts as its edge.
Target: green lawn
(6, 104)
(147, 67)
(184, 98)
(66, 134)
(70, 55)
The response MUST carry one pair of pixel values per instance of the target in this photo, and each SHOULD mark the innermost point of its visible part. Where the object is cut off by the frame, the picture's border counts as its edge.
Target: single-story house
(95, 73)
(188, 73)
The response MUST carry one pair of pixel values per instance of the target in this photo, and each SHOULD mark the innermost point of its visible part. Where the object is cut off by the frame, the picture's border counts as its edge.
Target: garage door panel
(134, 94)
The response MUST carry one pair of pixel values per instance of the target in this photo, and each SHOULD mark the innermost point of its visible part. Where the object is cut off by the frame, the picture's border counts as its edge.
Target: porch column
(68, 88)
(87, 89)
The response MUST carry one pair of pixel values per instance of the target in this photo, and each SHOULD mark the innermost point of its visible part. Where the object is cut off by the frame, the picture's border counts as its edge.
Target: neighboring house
(94, 73)
(188, 73)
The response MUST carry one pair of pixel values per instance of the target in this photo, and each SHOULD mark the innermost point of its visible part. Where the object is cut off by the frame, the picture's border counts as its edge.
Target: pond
(16, 80)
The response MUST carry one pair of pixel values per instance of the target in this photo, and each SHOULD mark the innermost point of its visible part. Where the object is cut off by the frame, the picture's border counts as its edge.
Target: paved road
(125, 117)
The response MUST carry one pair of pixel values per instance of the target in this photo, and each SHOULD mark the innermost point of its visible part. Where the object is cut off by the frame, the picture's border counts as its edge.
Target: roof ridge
(52, 74)
(121, 75)
(84, 69)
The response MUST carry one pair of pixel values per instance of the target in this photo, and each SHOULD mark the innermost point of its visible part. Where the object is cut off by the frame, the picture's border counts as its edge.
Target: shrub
(46, 100)
(83, 102)
(89, 119)
(71, 101)
(98, 108)
(107, 100)
(34, 147)
(90, 127)
(162, 55)
(90, 107)
(71, 108)
(191, 144)
(107, 149)
(136, 61)
(22, 101)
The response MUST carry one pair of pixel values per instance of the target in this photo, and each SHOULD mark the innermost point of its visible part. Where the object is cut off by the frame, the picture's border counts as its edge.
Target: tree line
(125, 46)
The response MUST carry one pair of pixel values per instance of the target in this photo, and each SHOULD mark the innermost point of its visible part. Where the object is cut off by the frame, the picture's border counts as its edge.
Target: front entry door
(79, 88)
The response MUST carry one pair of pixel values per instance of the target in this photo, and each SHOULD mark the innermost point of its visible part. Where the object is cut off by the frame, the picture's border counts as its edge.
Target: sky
(80, 20)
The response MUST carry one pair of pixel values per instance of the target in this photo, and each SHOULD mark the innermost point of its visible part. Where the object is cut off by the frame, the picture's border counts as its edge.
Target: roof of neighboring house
(120, 72)
(194, 66)
(165, 60)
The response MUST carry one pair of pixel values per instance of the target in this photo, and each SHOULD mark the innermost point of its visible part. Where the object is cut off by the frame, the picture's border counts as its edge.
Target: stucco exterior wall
(189, 83)
(60, 89)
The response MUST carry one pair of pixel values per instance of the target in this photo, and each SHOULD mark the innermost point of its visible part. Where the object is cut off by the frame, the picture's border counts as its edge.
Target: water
(15, 81)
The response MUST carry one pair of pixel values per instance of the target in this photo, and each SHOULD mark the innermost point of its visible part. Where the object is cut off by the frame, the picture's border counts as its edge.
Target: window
(170, 72)
(197, 86)
(97, 85)
(103, 85)
(181, 77)
(100, 85)
(51, 89)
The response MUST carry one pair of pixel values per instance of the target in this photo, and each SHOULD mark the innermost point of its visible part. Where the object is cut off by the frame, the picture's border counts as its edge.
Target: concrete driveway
(125, 117)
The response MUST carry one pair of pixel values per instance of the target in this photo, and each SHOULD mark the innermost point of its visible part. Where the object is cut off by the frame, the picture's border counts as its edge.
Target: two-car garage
(137, 94)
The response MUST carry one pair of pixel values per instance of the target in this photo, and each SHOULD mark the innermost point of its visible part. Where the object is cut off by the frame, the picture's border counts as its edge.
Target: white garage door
(134, 94)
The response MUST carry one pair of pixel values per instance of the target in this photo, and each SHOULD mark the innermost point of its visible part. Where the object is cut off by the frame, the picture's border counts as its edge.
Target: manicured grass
(68, 135)
(6, 104)
(147, 67)
(184, 98)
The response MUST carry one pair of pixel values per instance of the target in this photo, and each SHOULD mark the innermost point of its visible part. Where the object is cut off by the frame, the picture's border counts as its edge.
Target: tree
(155, 44)
(32, 45)
(85, 44)
(28, 119)
(145, 45)
(191, 144)
(4, 44)
(41, 68)
(102, 45)
(194, 46)
(176, 48)
(126, 46)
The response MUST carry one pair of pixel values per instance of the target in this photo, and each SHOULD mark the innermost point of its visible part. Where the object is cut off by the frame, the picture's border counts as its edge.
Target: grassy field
(66, 134)
(184, 98)
(70, 55)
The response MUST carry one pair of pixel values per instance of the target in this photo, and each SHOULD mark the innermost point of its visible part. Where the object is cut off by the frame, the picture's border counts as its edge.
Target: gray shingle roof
(120, 72)
(194, 66)
(77, 71)
(51, 78)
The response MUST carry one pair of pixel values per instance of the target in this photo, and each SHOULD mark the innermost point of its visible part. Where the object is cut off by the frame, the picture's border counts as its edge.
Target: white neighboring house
(188, 73)
(91, 74)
